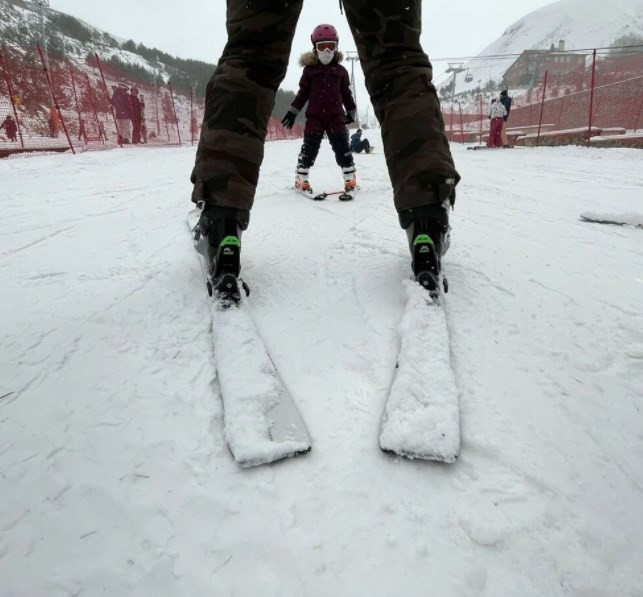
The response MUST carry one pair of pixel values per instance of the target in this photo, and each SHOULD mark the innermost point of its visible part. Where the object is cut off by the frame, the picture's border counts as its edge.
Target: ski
(261, 421)
(479, 147)
(341, 195)
(421, 417)
(634, 220)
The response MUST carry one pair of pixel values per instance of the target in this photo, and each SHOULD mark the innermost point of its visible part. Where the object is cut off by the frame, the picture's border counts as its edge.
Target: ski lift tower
(455, 68)
(353, 57)
(41, 7)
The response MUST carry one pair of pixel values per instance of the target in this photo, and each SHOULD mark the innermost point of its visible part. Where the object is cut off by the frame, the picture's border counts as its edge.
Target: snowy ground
(114, 478)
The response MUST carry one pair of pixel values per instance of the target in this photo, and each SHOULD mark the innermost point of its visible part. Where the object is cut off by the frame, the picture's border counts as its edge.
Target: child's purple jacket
(327, 91)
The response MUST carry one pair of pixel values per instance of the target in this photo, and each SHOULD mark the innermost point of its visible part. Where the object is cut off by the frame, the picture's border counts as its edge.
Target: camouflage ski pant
(240, 98)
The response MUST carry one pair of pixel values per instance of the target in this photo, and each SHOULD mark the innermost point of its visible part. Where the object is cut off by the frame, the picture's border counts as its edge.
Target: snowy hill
(20, 26)
(581, 24)
(114, 477)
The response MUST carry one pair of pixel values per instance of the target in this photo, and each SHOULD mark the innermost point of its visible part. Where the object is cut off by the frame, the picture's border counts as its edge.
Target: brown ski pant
(240, 99)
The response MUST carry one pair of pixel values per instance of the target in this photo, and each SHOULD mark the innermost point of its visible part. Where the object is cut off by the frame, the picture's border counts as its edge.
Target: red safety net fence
(599, 103)
(55, 102)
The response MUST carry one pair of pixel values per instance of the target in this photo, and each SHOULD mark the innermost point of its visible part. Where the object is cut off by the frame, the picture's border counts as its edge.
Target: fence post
(542, 109)
(156, 111)
(111, 107)
(591, 100)
(192, 118)
(451, 126)
(461, 125)
(176, 119)
(167, 126)
(13, 99)
(636, 124)
(53, 97)
(481, 119)
(93, 103)
(81, 128)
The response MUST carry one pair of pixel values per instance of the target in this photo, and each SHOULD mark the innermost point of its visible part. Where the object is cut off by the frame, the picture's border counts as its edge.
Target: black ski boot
(222, 228)
(427, 229)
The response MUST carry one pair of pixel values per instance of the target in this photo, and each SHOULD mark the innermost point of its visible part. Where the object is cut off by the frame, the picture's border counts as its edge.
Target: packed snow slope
(114, 476)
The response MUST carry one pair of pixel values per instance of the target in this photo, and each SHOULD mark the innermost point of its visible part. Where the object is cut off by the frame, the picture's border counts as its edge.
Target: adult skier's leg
(398, 77)
(239, 101)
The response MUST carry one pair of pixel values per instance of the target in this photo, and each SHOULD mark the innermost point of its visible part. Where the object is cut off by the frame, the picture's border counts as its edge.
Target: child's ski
(341, 195)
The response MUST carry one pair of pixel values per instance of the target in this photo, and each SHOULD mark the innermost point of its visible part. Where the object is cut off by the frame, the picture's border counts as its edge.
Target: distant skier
(123, 108)
(10, 127)
(82, 131)
(102, 135)
(358, 144)
(505, 100)
(325, 86)
(497, 112)
(54, 122)
(241, 95)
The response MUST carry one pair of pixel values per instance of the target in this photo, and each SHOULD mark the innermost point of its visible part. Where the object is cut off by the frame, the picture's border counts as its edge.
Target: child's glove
(289, 119)
(350, 117)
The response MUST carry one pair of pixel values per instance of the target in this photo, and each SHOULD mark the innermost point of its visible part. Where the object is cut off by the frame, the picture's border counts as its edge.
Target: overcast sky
(196, 28)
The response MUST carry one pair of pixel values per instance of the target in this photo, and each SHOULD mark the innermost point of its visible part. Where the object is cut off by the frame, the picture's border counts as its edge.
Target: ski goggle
(322, 46)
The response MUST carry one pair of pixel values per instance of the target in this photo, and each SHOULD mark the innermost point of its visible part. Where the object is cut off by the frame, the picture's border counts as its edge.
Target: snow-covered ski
(616, 219)
(421, 418)
(261, 421)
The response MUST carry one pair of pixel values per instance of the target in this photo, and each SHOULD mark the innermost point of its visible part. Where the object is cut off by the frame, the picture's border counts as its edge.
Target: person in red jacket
(325, 86)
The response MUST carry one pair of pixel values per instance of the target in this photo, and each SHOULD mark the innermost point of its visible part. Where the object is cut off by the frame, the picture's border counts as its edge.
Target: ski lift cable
(629, 48)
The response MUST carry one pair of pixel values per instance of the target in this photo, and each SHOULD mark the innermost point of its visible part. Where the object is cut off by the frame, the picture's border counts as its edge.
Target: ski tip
(273, 457)
(437, 457)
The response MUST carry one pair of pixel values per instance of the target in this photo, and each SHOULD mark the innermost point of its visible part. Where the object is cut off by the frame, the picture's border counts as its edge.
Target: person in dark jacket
(505, 100)
(358, 144)
(137, 117)
(325, 86)
(10, 127)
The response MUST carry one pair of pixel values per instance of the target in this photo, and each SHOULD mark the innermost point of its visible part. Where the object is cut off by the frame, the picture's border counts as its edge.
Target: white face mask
(325, 57)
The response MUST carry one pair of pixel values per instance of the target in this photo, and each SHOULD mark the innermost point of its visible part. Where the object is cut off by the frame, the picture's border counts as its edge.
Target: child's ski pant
(312, 142)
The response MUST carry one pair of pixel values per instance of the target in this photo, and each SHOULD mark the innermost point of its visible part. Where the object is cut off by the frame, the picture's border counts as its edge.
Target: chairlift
(468, 77)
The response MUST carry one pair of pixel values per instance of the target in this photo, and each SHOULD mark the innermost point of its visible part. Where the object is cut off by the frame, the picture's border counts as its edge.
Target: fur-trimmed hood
(310, 59)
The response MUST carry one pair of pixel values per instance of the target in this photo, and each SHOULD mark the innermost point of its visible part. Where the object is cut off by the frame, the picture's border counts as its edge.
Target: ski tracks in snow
(113, 470)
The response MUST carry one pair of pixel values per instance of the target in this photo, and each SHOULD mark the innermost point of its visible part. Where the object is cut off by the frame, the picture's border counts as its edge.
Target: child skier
(325, 86)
